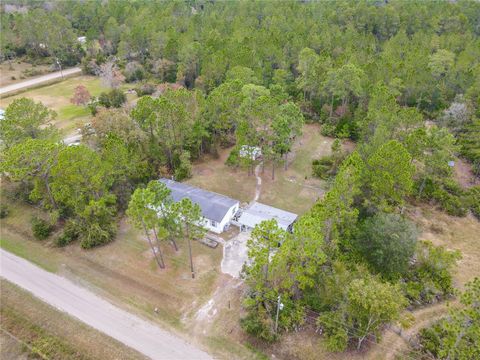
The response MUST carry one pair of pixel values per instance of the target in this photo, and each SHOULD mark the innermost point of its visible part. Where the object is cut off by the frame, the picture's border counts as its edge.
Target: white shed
(252, 152)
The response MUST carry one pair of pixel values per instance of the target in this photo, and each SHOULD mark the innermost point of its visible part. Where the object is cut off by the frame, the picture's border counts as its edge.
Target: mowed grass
(57, 97)
(293, 189)
(30, 326)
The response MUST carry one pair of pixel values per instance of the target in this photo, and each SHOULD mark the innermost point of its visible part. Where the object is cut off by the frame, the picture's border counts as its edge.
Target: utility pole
(60, 65)
(279, 307)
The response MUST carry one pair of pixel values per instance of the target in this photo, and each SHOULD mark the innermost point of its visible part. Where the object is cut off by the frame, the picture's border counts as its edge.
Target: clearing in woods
(294, 189)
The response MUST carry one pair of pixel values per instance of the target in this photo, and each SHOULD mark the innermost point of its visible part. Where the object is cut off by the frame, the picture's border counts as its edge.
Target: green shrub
(96, 235)
(114, 98)
(430, 278)
(473, 199)
(328, 130)
(259, 324)
(41, 228)
(134, 71)
(322, 168)
(233, 158)
(145, 89)
(70, 233)
(447, 194)
(4, 211)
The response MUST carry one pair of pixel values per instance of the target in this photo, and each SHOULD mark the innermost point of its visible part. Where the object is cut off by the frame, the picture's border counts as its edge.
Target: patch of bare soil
(223, 298)
(464, 174)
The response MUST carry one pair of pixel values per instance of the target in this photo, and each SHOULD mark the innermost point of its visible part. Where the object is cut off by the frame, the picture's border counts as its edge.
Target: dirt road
(38, 80)
(89, 308)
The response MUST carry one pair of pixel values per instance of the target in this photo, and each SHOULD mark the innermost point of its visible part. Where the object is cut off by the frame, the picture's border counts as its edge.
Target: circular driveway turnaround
(141, 335)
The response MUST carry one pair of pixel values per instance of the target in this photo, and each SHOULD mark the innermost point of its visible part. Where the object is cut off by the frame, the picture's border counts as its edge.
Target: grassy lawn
(294, 189)
(57, 97)
(30, 326)
(125, 273)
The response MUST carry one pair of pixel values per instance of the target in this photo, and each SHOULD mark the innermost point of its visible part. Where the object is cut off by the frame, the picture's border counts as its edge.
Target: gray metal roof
(258, 212)
(214, 206)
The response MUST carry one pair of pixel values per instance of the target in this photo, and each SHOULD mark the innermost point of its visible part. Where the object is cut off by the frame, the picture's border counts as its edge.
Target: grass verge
(33, 329)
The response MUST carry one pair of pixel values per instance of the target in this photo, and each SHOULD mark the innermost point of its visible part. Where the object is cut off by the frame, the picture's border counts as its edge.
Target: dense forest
(400, 79)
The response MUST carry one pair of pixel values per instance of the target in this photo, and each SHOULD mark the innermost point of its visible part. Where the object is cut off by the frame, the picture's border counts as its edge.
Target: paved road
(81, 303)
(38, 80)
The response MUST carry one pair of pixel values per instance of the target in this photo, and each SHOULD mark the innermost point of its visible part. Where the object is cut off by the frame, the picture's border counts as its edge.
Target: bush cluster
(450, 196)
(323, 168)
(41, 228)
(4, 211)
(145, 89)
(114, 98)
(70, 233)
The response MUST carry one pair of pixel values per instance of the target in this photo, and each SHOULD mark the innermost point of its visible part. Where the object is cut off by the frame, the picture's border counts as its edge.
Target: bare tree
(110, 74)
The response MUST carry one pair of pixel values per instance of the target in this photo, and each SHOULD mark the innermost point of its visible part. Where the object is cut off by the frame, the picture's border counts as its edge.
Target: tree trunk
(49, 192)
(273, 170)
(286, 161)
(190, 253)
(331, 107)
(151, 245)
(266, 267)
(174, 243)
(159, 249)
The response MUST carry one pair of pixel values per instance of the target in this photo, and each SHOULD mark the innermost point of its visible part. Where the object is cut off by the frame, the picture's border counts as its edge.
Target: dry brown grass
(26, 320)
(456, 233)
(16, 69)
(294, 189)
(125, 273)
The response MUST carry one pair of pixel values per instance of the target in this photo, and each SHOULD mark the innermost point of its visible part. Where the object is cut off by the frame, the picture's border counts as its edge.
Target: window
(214, 223)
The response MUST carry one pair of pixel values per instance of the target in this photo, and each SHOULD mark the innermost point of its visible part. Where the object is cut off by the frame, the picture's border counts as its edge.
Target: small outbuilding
(217, 210)
(250, 152)
(257, 212)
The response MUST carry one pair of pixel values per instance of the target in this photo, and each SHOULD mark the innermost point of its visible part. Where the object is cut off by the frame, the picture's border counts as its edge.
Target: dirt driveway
(235, 254)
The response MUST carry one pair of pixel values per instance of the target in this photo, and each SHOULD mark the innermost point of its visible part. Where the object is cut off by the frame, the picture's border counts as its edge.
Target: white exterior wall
(218, 229)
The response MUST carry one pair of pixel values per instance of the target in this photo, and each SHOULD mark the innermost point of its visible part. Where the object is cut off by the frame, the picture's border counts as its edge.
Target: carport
(258, 212)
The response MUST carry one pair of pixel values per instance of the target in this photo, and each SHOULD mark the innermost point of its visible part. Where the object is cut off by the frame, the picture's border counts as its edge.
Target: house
(2, 114)
(252, 152)
(217, 210)
(257, 212)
